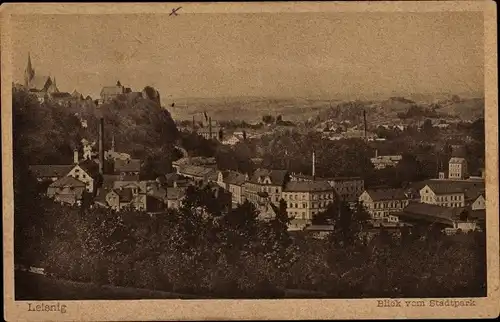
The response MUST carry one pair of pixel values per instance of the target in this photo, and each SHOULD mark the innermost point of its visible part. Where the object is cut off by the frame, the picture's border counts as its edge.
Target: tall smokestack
(364, 120)
(313, 165)
(101, 146)
(210, 128)
(193, 123)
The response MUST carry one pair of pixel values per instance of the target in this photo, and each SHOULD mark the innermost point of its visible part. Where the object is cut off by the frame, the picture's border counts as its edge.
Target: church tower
(29, 72)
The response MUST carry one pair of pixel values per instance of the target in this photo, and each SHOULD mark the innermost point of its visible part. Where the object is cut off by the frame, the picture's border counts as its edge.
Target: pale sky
(285, 55)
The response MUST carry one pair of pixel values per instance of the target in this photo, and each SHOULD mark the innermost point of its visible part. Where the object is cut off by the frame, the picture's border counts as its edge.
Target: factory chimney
(75, 156)
(101, 146)
(210, 128)
(313, 165)
(364, 120)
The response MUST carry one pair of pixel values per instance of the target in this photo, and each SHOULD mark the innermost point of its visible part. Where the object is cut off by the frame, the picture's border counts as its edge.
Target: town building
(479, 203)
(232, 140)
(197, 161)
(457, 168)
(265, 186)
(109, 93)
(50, 172)
(128, 167)
(233, 182)
(450, 220)
(44, 88)
(175, 196)
(383, 204)
(347, 188)
(305, 199)
(67, 190)
(198, 174)
(113, 155)
(87, 171)
(39, 85)
(384, 161)
(211, 133)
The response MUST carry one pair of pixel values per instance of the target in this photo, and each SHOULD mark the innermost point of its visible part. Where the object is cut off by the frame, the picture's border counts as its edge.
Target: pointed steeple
(29, 72)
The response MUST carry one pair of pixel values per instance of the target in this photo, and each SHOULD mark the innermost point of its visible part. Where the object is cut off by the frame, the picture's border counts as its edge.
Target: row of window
(303, 196)
(304, 205)
(451, 204)
(390, 204)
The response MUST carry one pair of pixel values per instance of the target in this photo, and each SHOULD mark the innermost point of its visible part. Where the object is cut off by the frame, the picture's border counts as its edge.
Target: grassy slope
(31, 286)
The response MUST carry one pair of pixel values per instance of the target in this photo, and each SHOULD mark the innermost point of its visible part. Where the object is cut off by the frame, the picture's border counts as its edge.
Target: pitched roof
(67, 182)
(39, 82)
(308, 186)
(132, 165)
(434, 213)
(43, 170)
(235, 178)
(457, 160)
(108, 180)
(112, 90)
(444, 188)
(278, 177)
(125, 194)
(175, 193)
(61, 95)
(197, 171)
(387, 194)
(156, 191)
(91, 167)
(194, 161)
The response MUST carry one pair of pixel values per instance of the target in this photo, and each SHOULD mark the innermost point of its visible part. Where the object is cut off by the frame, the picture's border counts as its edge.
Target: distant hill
(251, 109)
(388, 110)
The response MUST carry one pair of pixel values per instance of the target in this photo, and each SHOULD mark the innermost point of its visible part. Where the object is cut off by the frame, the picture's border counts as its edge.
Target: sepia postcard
(250, 161)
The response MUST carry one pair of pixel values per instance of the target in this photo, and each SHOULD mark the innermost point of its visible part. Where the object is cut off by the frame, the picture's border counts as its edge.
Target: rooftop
(175, 193)
(43, 170)
(133, 165)
(277, 177)
(433, 213)
(387, 194)
(68, 182)
(235, 178)
(196, 171)
(308, 186)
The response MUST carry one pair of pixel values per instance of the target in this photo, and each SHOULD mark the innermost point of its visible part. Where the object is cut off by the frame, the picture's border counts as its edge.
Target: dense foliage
(200, 250)
(48, 133)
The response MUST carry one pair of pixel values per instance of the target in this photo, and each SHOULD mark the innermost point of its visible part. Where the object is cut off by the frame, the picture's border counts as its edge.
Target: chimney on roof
(101, 146)
(75, 156)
